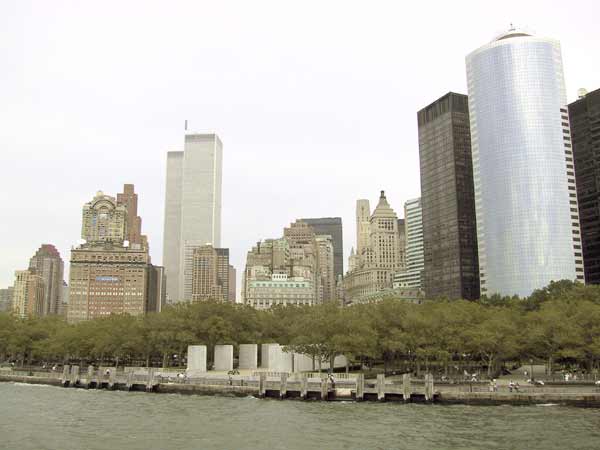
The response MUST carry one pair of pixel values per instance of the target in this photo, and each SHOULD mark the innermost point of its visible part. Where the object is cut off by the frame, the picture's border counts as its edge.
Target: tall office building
(48, 264)
(384, 237)
(6, 299)
(210, 273)
(129, 199)
(525, 195)
(363, 221)
(402, 243)
(451, 267)
(109, 274)
(412, 275)
(326, 268)
(584, 117)
(28, 294)
(107, 278)
(64, 300)
(331, 226)
(232, 284)
(381, 256)
(192, 208)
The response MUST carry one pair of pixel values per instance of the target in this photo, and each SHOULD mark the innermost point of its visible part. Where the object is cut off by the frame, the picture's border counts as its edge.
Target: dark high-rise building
(48, 264)
(331, 226)
(584, 115)
(447, 196)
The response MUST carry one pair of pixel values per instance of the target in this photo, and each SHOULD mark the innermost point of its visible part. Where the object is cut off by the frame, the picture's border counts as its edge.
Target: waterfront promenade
(309, 386)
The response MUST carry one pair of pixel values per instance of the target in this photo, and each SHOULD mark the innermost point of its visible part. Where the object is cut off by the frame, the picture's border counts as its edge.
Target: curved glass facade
(522, 194)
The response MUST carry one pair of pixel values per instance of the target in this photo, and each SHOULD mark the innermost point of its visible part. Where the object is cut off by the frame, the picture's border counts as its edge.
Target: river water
(45, 417)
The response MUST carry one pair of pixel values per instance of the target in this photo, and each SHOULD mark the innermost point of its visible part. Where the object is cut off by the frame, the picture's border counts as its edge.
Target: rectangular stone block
(275, 359)
(196, 360)
(223, 357)
(264, 355)
(303, 363)
(248, 356)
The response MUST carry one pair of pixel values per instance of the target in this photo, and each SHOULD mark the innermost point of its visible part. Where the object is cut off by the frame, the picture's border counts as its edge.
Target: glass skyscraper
(525, 196)
(449, 229)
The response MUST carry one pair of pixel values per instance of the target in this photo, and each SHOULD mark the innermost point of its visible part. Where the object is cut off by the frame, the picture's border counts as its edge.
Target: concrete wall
(196, 359)
(248, 356)
(223, 357)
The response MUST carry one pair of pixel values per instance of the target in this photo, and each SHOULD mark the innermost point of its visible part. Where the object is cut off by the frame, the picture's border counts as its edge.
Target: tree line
(559, 325)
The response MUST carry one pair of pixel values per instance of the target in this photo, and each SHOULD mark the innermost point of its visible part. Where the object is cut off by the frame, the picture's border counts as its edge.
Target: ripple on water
(54, 417)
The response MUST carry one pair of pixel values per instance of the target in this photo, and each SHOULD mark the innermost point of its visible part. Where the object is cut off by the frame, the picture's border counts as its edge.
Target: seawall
(441, 396)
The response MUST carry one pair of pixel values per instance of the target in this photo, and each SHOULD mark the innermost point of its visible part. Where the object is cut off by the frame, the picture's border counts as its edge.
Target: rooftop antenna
(185, 124)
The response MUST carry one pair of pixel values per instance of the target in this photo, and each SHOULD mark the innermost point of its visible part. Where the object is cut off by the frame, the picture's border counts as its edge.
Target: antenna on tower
(185, 124)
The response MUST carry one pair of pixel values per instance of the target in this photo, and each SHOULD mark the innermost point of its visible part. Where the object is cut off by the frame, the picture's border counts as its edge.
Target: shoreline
(440, 397)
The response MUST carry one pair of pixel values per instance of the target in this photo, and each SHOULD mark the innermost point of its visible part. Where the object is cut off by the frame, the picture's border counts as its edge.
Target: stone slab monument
(223, 357)
(275, 359)
(196, 360)
(304, 363)
(248, 356)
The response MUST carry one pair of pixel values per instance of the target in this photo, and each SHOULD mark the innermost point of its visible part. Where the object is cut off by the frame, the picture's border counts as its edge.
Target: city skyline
(241, 185)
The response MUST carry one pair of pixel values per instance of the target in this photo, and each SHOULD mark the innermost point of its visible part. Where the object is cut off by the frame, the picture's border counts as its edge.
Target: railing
(526, 389)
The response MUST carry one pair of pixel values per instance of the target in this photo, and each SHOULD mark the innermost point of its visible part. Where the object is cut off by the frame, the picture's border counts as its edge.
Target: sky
(315, 102)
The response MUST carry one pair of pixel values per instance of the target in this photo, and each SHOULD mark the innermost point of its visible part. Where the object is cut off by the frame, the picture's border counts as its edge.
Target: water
(45, 417)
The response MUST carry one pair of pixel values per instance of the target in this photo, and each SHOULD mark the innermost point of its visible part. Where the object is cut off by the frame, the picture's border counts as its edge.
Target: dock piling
(262, 384)
(150, 382)
(74, 376)
(360, 386)
(111, 378)
(283, 385)
(66, 375)
(304, 386)
(324, 388)
(406, 387)
(381, 387)
(129, 383)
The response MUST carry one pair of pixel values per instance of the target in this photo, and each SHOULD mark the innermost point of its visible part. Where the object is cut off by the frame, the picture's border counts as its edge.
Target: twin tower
(192, 208)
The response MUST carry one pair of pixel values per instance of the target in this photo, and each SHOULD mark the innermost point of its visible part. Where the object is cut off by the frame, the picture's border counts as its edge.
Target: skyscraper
(192, 208)
(449, 230)
(384, 237)
(525, 196)
(331, 226)
(363, 221)
(326, 267)
(48, 264)
(28, 294)
(584, 117)
(412, 274)
(232, 284)
(129, 199)
(6, 299)
(210, 273)
(381, 255)
(108, 273)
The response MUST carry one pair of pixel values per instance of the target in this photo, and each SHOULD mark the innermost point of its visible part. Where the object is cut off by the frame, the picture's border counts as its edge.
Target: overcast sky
(315, 102)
